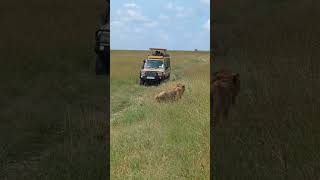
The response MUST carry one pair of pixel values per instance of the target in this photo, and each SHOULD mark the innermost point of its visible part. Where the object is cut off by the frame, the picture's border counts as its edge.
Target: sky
(170, 24)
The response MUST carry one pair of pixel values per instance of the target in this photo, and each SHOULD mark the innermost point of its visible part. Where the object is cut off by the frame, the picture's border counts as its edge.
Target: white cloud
(132, 15)
(130, 18)
(116, 23)
(174, 7)
(131, 5)
(178, 10)
(133, 23)
(130, 12)
(206, 26)
(207, 2)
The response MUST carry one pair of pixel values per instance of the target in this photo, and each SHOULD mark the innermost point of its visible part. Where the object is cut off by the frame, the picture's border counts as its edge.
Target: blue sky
(171, 24)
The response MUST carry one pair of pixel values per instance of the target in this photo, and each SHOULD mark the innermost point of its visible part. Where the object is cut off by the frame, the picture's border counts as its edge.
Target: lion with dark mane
(225, 87)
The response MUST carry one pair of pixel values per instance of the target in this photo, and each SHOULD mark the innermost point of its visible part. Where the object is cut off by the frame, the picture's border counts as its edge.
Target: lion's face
(180, 88)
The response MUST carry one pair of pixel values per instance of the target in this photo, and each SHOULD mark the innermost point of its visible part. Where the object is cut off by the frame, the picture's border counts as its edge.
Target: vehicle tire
(168, 77)
(141, 82)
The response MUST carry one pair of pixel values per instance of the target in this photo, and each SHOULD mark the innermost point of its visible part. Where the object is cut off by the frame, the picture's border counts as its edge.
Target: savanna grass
(272, 131)
(160, 141)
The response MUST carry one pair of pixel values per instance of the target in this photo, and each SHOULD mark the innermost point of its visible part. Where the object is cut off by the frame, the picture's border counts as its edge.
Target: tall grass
(160, 141)
(272, 132)
(48, 81)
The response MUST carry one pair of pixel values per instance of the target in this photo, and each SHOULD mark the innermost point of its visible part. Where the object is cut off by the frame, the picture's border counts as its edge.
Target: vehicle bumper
(152, 78)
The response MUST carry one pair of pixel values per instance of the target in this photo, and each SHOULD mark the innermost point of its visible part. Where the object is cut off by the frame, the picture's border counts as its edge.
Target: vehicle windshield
(153, 64)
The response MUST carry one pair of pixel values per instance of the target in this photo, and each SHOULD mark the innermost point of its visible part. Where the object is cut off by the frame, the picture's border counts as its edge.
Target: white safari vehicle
(156, 67)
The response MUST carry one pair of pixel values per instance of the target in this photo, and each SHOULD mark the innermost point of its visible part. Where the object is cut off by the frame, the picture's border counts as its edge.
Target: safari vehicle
(156, 67)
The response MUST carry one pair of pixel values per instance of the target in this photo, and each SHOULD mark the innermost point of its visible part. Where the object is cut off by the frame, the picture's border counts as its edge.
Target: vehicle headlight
(160, 73)
(143, 73)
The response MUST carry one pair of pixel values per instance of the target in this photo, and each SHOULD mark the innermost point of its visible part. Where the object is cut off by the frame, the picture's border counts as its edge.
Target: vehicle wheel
(168, 76)
(141, 82)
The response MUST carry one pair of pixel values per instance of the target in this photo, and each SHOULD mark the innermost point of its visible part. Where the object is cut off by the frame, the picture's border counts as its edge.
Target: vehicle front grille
(151, 73)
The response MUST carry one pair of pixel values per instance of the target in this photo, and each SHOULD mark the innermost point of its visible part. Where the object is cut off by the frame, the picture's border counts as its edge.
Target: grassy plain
(51, 102)
(273, 131)
(153, 141)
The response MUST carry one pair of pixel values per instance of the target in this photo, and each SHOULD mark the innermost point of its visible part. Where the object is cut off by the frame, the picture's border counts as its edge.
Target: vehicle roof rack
(157, 49)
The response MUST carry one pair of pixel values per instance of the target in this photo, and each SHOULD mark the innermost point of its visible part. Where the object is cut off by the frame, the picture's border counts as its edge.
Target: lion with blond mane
(171, 95)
